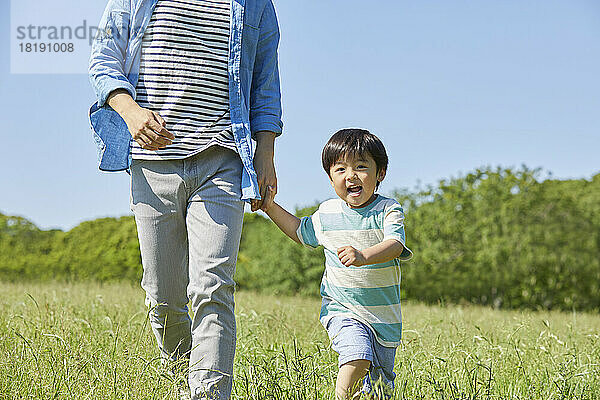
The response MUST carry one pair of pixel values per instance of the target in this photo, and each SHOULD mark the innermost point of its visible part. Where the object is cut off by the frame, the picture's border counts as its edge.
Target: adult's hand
(145, 126)
(265, 169)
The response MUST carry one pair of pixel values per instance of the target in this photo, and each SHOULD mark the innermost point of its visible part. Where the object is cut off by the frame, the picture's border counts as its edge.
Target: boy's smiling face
(355, 179)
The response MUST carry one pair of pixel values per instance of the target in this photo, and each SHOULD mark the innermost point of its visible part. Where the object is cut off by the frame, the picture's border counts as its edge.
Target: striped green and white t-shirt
(370, 293)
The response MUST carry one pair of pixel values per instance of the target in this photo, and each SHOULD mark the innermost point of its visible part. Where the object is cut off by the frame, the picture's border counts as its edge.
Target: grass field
(86, 341)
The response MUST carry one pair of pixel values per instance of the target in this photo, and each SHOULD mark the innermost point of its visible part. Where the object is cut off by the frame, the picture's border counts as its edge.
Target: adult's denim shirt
(254, 94)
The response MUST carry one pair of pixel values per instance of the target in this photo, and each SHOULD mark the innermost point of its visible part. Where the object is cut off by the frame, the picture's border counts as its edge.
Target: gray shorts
(353, 340)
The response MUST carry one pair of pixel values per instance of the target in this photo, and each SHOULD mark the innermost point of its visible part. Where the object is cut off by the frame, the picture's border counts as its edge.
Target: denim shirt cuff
(269, 124)
(111, 84)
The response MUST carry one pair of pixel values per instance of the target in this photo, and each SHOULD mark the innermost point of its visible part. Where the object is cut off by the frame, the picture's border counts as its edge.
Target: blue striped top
(183, 76)
(370, 293)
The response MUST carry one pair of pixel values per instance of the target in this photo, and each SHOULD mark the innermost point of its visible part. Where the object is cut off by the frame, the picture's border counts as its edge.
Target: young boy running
(363, 236)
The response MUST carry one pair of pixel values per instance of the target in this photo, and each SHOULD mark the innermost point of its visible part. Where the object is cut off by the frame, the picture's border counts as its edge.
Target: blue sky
(448, 86)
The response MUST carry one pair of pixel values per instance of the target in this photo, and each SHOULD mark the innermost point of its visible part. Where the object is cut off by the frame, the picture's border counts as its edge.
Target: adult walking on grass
(189, 103)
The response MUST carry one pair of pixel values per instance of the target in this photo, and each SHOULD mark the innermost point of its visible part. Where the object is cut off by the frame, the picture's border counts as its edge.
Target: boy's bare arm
(288, 223)
(379, 253)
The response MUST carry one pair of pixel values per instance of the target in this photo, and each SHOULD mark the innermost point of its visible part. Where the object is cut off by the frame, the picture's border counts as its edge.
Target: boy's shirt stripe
(387, 330)
(340, 221)
(378, 296)
(370, 293)
(306, 232)
(364, 278)
(357, 239)
(382, 314)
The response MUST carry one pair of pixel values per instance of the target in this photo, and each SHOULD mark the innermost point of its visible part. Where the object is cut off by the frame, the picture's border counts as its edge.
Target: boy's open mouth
(354, 190)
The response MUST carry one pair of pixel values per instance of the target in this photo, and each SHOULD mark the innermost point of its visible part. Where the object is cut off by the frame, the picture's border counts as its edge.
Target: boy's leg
(214, 221)
(379, 382)
(349, 379)
(351, 340)
(158, 201)
(360, 355)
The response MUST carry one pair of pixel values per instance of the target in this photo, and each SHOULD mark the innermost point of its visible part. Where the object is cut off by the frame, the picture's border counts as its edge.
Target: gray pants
(189, 220)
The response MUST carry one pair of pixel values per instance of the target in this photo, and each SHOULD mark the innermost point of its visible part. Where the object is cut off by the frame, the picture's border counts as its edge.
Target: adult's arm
(265, 94)
(265, 104)
(108, 78)
(109, 47)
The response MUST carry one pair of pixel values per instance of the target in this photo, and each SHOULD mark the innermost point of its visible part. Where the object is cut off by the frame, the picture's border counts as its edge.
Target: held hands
(348, 255)
(269, 199)
(265, 170)
(147, 128)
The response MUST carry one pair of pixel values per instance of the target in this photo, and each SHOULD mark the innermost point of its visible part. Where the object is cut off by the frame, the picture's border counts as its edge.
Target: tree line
(494, 236)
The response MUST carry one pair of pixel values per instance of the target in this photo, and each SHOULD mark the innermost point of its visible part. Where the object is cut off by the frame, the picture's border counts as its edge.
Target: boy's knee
(360, 364)
(350, 378)
(357, 367)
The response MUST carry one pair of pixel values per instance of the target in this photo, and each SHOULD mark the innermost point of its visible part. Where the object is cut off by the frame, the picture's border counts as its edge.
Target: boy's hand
(348, 255)
(268, 202)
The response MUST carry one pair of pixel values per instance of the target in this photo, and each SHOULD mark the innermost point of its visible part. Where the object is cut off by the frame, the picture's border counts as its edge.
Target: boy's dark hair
(356, 143)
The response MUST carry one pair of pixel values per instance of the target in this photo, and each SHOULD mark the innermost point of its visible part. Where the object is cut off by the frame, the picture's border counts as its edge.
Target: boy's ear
(381, 175)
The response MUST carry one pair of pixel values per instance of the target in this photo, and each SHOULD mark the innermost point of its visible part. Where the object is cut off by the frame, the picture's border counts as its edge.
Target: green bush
(26, 252)
(103, 250)
(502, 238)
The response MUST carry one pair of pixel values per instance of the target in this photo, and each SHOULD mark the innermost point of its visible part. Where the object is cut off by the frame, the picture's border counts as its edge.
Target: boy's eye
(339, 169)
